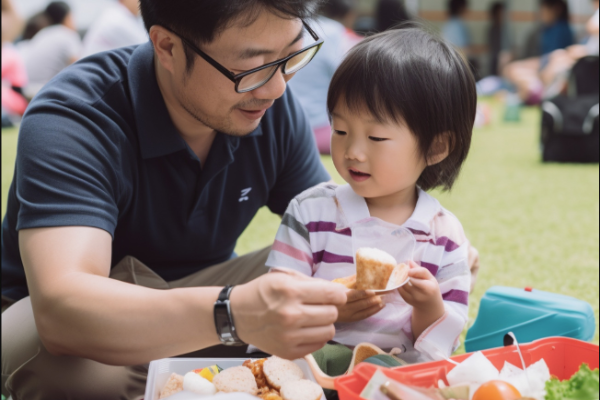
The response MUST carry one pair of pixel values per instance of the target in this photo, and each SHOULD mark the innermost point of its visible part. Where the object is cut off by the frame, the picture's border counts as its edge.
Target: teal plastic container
(530, 315)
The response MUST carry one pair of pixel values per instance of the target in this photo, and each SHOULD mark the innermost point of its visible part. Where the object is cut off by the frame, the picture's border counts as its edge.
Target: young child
(402, 107)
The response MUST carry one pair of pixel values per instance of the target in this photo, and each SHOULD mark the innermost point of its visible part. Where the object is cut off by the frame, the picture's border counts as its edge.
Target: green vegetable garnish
(584, 385)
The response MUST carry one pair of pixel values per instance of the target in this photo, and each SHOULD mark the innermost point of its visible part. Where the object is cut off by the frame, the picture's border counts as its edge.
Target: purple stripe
(326, 257)
(416, 232)
(457, 296)
(322, 226)
(448, 244)
(431, 267)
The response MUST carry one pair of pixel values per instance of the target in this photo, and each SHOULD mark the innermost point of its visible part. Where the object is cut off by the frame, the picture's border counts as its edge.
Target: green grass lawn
(534, 224)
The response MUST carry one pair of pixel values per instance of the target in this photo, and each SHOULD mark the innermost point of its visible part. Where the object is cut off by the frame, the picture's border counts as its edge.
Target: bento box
(160, 370)
(564, 356)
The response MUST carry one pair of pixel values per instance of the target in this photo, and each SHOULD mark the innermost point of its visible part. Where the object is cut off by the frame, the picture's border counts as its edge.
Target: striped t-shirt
(320, 233)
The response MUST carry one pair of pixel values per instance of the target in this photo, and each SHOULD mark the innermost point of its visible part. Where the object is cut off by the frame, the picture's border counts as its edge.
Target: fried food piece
(257, 370)
(349, 281)
(268, 393)
(173, 385)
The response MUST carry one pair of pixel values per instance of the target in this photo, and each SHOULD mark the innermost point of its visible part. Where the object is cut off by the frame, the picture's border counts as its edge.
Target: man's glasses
(257, 77)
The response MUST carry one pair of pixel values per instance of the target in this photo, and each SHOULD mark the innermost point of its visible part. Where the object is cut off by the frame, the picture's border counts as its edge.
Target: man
(160, 153)
(118, 26)
(455, 30)
(52, 49)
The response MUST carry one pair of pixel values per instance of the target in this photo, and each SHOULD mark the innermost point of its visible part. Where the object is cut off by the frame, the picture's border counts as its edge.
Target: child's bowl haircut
(413, 77)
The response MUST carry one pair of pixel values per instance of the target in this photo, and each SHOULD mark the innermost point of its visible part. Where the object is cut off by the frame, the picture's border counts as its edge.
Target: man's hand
(286, 313)
(361, 305)
(423, 293)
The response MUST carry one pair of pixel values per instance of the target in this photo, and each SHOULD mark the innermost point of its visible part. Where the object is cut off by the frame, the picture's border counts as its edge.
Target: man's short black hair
(202, 20)
(497, 8)
(412, 77)
(336, 9)
(456, 7)
(561, 7)
(57, 11)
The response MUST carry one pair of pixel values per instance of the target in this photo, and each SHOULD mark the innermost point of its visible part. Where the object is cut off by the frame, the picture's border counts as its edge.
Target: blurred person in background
(14, 76)
(498, 38)
(52, 49)
(556, 33)
(555, 75)
(310, 84)
(119, 26)
(390, 13)
(11, 22)
(455, 30)
(34, 24)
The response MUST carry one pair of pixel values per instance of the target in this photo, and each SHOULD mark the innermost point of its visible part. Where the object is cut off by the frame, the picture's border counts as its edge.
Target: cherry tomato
(497, 390)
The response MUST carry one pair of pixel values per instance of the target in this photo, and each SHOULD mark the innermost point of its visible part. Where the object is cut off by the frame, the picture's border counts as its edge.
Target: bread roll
(236, 379)
(279, 371)
(301, 390)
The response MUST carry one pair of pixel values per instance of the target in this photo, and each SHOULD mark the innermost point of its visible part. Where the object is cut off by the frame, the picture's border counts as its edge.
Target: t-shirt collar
(354, 209)
(156, 132)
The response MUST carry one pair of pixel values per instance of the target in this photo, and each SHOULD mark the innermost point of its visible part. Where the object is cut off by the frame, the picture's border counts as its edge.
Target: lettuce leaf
(584, 385)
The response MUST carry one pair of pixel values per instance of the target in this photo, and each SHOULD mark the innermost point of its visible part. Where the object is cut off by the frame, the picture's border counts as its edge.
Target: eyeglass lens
(259, 78)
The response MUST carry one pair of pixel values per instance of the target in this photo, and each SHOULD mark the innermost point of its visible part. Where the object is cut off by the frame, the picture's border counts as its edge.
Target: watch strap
(224, 319)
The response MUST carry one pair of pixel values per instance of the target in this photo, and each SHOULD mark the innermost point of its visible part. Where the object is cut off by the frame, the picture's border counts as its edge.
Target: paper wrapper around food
(373, 390)
(474, 371)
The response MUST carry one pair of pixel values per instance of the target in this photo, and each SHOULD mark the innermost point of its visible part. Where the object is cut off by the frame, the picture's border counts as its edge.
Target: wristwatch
(224, 319)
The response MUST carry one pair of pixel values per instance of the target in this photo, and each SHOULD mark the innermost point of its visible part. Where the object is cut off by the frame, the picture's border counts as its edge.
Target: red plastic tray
(564, 356)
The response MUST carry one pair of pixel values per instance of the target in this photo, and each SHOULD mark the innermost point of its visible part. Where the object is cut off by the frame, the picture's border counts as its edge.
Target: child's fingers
(406, 294)
(420, 273)
(364, 304)
(366, 313)
(355, 295)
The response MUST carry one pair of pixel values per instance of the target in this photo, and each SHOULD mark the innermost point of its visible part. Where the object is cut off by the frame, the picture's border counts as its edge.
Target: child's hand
(361, 305)
(423, 293)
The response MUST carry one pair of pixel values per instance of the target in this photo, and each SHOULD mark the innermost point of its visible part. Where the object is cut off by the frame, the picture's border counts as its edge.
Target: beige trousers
(29, 372)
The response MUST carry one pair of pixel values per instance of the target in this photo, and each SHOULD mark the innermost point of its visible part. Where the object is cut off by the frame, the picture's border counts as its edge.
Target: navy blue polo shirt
(97, 148)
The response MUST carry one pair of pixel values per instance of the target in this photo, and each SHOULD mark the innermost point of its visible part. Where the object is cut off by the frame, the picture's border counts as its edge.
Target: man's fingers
(317, 316)
(322, 334)
(318, 291)
(366, 313)
(305, 349)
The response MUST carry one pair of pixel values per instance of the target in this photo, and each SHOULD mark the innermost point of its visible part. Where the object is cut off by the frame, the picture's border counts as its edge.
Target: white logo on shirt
(244, 196)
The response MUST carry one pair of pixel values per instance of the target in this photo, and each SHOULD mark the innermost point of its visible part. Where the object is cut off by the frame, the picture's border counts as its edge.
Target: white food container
(161, 370)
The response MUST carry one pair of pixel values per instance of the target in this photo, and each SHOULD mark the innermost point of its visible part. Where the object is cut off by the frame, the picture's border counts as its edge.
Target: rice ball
(192, 382)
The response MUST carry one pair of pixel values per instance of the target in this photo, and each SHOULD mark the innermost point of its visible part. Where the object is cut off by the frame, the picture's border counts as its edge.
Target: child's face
(376, 159)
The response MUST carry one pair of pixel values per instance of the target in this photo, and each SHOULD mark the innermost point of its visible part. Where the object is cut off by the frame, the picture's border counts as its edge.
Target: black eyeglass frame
(238, 78)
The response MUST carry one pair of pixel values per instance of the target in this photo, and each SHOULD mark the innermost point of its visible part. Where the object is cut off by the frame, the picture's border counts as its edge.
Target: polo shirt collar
(156, 132)
(354, 209)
